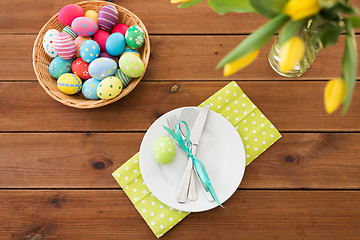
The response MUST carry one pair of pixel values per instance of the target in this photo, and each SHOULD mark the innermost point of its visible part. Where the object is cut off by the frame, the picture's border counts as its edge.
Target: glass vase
(311, 50)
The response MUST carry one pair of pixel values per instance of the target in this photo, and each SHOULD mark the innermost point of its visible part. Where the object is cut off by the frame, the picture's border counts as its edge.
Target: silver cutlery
(195, 136)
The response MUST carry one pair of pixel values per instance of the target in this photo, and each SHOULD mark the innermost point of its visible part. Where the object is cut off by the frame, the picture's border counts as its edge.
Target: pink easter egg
(68, 13)
(84, 26)
(100, 37)
(65, 46)
(78, 41)
(120, 28)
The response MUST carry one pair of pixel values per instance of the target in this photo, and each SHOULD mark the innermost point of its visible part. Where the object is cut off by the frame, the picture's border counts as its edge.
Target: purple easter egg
(108, 17)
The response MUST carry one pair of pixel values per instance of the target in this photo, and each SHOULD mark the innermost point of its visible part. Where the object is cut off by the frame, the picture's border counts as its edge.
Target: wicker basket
(41, 60)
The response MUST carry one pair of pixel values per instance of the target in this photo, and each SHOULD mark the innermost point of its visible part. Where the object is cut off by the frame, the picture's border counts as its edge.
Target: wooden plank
(80, 160)
(160, 17)
(291, 106)
(181, 58)
(105, 214)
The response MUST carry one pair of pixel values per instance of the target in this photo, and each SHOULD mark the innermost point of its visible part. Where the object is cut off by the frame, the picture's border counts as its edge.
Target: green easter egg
(131, 65)
(164, 150)
(134, 37)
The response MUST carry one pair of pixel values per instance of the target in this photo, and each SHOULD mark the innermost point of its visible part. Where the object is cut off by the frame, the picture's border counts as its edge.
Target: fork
(191, 194)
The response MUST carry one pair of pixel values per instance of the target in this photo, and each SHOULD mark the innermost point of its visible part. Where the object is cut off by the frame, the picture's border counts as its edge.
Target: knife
(195, 136)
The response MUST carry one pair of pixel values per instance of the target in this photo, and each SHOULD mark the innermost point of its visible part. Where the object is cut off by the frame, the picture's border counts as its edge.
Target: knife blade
(195, 135)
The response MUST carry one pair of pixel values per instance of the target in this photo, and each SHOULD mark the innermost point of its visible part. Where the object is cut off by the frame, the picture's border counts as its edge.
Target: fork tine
(172, 123)
(169, 123)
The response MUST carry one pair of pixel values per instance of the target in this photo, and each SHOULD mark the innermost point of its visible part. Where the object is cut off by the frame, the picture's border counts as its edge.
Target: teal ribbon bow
(199, 166)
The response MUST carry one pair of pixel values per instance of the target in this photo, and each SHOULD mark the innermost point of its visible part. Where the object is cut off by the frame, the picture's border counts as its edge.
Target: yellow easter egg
(69, 83)
(92, 15)
(109, 88)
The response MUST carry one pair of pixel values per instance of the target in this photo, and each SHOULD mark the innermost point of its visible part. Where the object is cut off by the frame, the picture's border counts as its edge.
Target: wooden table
(56, 161)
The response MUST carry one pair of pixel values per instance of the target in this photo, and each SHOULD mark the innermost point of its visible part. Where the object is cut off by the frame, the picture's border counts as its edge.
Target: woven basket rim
(75, 100)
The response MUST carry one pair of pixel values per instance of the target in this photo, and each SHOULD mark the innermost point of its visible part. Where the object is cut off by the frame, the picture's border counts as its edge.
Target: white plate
(220, 149)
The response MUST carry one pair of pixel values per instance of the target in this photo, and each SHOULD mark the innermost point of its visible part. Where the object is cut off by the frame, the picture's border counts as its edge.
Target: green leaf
(268, 8)
(349, 63)
(256, 40)
(291, 29)
(190, 3)
(355, 21)
(328, 34)
(224, 6)
(345, 8)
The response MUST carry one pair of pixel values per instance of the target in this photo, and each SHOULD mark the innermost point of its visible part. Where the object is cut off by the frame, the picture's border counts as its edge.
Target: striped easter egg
(69, 31)
(108, 17)
(69, 83)
(125, 80)
(65, 46)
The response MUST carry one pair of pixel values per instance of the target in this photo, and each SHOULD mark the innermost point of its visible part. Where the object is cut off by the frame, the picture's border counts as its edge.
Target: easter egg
(100, 37)
(134, 37)
(107, 55)
(78, 41)
(125, 80)
(69, 31)
(49, 42)
(120, 28)
(115, 44)
(68, 13)
(59, 66)
(108, 17)
(84, 26)
(164, 150)
(102, 68)
(65, 45)
(89, 88)
(89, 50)
(133, 51)
(92, 15)
(131, 65)
(81, 68)
(69, 83)
(109, 88)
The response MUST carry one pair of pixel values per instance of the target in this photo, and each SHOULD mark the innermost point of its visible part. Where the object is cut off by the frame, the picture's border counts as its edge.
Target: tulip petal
(240, 63)
(178, 1)
(299, 9)
(292, 51)
(334, 94)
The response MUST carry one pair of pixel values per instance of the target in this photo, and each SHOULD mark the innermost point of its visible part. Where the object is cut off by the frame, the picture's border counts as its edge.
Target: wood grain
(159, 16)
(84, 160)
(247, 215)
(291, 106)
(181, 58)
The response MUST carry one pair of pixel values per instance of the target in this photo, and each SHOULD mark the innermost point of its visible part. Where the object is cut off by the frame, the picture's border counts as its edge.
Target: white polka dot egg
(49, 42)
(164, 150)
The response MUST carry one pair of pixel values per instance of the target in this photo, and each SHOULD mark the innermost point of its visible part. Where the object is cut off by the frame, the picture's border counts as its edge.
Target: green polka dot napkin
(255, 129)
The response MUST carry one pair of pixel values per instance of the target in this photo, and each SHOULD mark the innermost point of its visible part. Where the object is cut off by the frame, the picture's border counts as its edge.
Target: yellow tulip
(292, 51)
(179, 1)
(299, 9)
(334, 94)
(240, 63)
